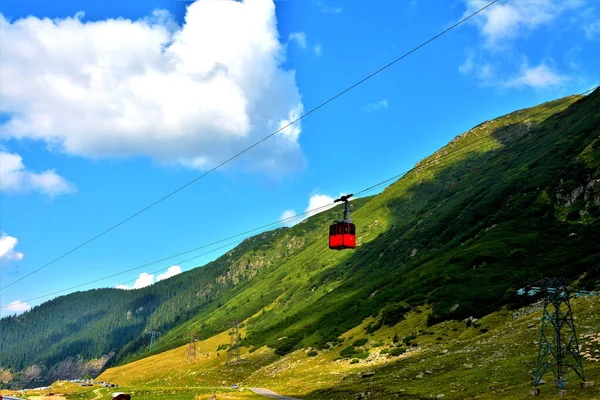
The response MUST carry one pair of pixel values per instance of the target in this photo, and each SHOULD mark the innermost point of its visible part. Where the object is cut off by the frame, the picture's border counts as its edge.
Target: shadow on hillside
(479, 229)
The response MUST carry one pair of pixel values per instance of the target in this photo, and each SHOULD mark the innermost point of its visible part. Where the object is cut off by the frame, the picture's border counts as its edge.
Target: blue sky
(108, 106)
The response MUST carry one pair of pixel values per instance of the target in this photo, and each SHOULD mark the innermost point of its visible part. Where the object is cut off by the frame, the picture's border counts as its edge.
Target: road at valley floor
(271, 394)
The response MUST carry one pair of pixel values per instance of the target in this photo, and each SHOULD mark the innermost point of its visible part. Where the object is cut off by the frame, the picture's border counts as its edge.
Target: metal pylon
(153, 335)
(234, 344)
(558, 345)
(192, 347)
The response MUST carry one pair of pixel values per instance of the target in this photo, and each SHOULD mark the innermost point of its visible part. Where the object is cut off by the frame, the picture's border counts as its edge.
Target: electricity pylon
(191, 353)
(153, 335)
(234, 343)
(558, 349)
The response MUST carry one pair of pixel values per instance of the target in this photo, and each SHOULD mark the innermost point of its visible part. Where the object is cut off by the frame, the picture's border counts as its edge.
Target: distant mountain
(512, 200)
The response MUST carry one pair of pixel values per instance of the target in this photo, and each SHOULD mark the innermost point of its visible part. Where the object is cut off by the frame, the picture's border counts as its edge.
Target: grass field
(72, 391)
(490, 360)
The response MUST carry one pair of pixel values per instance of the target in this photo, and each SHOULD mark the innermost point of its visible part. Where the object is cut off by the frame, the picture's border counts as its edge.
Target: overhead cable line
(255, 144)
(426, 163)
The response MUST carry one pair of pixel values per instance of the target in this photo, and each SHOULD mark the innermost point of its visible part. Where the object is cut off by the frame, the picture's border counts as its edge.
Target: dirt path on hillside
(271, 394)
(98, 394)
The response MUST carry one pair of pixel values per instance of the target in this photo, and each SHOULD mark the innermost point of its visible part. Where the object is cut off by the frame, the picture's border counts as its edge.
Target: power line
(255, 144)
(314, 210)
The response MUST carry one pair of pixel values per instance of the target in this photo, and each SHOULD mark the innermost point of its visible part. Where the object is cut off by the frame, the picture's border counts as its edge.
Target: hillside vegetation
(512, 200)
(494, 358)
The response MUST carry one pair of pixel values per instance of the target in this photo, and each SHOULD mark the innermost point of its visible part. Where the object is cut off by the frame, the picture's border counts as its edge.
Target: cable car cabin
(342, 235)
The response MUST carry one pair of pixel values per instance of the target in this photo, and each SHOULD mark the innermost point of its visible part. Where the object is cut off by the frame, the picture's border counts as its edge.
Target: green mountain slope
(508, 202)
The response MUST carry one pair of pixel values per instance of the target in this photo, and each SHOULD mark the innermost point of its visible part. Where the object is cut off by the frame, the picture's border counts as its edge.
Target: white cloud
(318, 49)
(287, 217)
(537, 77)
(299, 38)
(146, 279)
(14, 177)
(315, 202)
(172, 271)
(379, 105)
(16, 307)
(505, 21)
(192, 95)
(7, 248)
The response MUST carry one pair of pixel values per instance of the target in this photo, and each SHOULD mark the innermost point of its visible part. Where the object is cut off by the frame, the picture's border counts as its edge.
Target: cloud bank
(191, 95)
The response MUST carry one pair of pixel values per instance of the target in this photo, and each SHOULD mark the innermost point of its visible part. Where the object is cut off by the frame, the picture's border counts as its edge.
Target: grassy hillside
(510, 201)
(492, 359)
(460, 233)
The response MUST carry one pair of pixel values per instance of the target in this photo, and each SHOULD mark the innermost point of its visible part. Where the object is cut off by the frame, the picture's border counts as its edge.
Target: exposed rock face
(70, 368)
(5, 376)
(34, 375)
(590, 192)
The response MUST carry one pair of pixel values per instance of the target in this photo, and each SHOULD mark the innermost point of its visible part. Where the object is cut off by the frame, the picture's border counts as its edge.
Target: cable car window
(352, 229)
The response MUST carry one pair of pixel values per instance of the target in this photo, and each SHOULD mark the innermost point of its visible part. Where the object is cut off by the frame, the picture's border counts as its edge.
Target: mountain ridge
(463, 227)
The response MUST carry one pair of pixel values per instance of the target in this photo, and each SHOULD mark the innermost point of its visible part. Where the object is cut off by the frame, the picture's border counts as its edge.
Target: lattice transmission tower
(153, 335)
(191, 353)
(558, 349)
(234, 344)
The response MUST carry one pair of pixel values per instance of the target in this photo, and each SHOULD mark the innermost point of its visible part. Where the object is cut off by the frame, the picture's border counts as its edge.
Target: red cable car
(342, 234)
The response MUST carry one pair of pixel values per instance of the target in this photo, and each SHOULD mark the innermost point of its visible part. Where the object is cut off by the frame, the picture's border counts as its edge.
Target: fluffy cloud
(7, 248)
(317, 203)
(16, 307)
(172, 271)
(146, 279)
(299, 38)
(504, 21)
(14, 177)
(321, 202)
(192, 95)
(537, 77)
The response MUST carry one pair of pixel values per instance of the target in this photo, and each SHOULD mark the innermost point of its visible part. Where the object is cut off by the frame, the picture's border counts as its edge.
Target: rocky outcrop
(589, 192)
(70, 368)
(34, 375)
